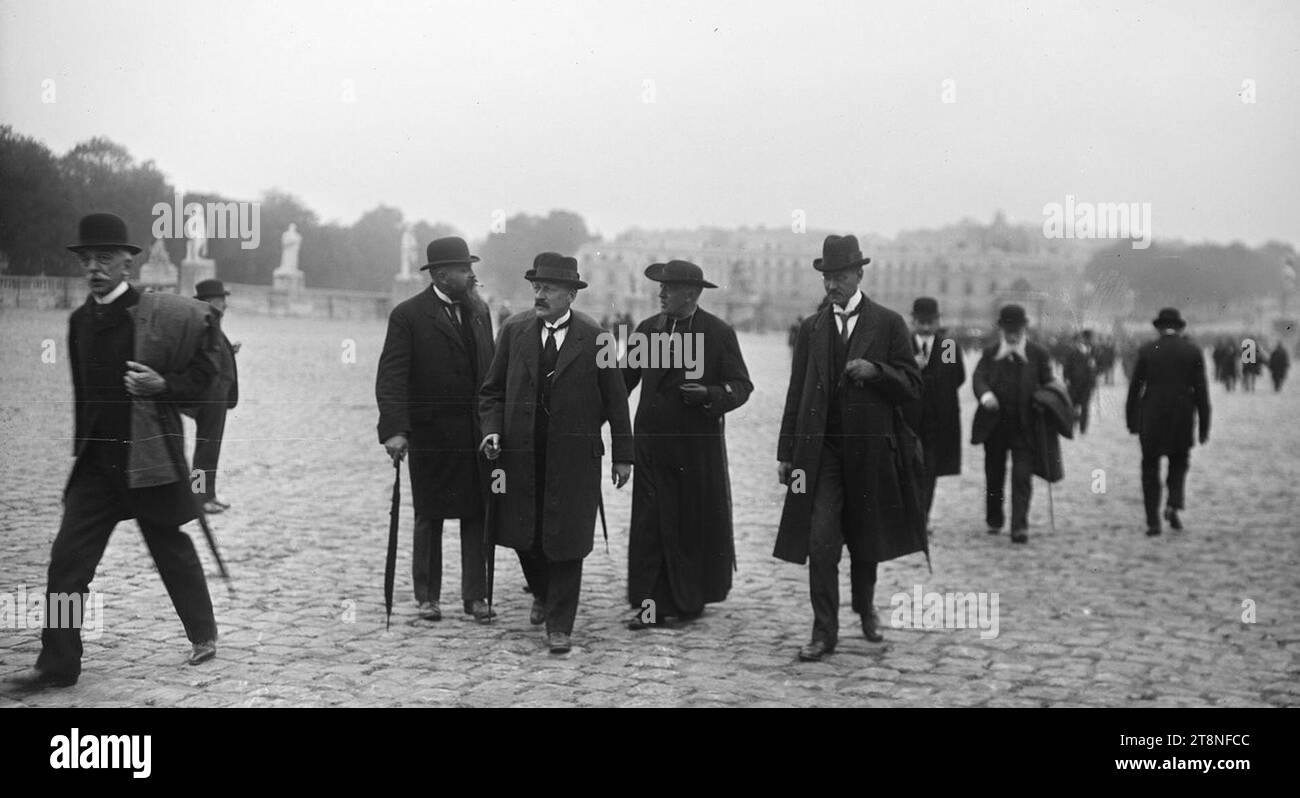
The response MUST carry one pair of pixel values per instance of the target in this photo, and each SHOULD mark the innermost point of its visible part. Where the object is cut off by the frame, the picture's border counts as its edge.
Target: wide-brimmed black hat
(103, 230)
(925, 308)
(1169, 317)
(839, 253)
(678, 271)
(555, 268)
(449, 251)
(1012, 317)
(206, 288)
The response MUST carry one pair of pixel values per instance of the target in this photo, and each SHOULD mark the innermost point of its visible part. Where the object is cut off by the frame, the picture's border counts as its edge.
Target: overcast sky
(759, 108)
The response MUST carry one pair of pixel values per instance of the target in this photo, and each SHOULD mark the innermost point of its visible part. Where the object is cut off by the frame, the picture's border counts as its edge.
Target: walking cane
(1051, 508)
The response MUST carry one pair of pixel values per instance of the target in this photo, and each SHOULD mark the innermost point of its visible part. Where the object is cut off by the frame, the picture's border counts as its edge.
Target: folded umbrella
(390, 566)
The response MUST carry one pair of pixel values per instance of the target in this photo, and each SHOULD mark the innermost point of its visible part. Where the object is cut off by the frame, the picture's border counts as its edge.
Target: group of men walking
(505, 436)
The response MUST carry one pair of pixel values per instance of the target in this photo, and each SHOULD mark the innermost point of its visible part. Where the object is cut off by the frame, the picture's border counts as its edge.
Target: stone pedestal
(194, 271)
(289, 282)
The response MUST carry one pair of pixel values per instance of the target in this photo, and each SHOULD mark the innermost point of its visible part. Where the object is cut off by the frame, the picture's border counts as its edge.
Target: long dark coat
(427, 389)
(881, 470)
(936, 416)
(1167, 395)
(584, 396)
(1036, 373)
(681, 492)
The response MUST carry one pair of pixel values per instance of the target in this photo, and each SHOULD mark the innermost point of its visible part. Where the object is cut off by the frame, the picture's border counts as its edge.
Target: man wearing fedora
(680, 549)
(135, 358)
(210, 414)
(542, 407)
(435, 355)
(1004, 380)
(850, 463)
(1167, 395)
(936, 416)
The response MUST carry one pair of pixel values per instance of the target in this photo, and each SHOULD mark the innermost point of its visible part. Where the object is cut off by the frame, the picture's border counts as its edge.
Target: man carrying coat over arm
(680, 550)
(849, 461)
(542, 405)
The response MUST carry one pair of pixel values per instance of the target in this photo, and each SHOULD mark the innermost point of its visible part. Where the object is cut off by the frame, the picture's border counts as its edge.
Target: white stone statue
(408, 254)
(196, 238)
(289, 243)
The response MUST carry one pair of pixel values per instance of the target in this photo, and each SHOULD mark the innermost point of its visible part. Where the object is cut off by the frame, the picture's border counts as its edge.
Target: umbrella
(179, 463)
(489, 547)
(390, 566)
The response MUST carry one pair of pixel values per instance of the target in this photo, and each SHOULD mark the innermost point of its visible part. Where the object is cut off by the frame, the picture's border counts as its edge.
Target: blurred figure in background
(1079, 368)
(936, 416)
(210, 414)
(1278, 365)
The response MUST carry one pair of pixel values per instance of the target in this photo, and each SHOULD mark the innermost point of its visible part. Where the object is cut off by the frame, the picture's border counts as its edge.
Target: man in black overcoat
(936, 417)
(1167, 398)
(435, 356)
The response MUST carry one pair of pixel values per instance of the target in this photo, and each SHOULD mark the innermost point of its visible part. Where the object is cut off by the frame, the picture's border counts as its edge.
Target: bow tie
(554, 328)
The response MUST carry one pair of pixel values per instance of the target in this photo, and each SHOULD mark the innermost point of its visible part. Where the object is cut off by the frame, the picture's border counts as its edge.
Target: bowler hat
(1169, 317)
(103, 230)
(206, 288)
(555, 268)
(449, 251)
(678, 271)
(839, 253)
(925, 308)
(1012, 317)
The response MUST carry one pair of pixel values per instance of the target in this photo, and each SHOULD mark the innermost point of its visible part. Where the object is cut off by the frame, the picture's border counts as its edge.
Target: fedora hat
(206, 288)
(449, 251)
(839, 253)
(555, 268)
(678, 271)
(925, 308)
(103, 230)
(1168, 317)
(1012, 317)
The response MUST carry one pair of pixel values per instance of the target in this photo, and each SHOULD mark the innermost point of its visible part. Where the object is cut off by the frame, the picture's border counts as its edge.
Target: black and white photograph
(715, 354)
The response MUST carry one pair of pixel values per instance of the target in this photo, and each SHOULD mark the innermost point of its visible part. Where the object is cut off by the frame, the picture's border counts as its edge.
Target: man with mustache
(136, 359)
(846, 455)
(680, 550)
(542, 406)
(438, 348)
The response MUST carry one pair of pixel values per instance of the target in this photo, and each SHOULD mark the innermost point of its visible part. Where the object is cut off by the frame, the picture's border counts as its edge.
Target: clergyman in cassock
(850, 462)
(680, 552)
(543, 404)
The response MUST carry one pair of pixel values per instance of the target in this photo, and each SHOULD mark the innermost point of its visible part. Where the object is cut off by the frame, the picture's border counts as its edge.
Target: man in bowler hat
(210, 414)
(1167, 395)
(136, 358)
(542, 405)
(680, 548)
(435, 355)
(936, 416)
(1004, 381)
(844, 452)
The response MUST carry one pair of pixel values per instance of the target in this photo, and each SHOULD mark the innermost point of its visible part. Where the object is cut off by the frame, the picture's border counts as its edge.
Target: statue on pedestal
(408, 256)
(158, 271)
(289, 243)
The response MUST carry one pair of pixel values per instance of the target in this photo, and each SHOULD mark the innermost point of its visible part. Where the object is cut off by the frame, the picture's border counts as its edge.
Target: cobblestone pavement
(1090, 613)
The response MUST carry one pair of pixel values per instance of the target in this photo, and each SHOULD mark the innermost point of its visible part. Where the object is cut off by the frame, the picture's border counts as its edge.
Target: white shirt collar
(112, 296)
(851, 306)
(558, 321)
(443, 296)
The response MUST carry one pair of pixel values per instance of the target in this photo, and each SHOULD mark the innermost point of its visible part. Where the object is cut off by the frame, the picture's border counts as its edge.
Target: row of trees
(1174, 274)
(44, 195)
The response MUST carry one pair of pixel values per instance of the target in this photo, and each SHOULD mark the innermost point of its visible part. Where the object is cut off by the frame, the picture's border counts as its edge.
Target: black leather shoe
(537, 616)
(1171, 515)
(871, 627)
(480, 610)
(816, 651)
(1020, 536)
(202, 652)
(558, 642)
(1153, 531)
(638, 623)
(994, 530)
(430, 611)
(34, 681)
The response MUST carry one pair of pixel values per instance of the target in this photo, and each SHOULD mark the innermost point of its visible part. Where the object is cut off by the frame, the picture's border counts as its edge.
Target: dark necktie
(453, 312)
(844, 322)
(550, 355)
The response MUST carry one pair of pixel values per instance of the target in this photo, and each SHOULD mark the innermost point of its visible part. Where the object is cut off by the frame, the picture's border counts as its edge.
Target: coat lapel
(527, 346)
(434, 309)
(573, 343)
(864, 331)
(821, 350)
